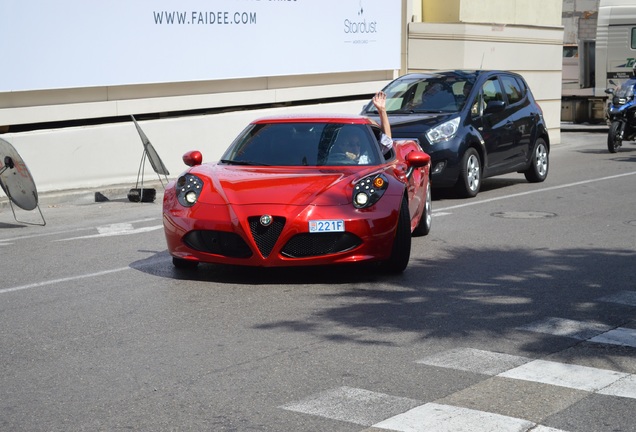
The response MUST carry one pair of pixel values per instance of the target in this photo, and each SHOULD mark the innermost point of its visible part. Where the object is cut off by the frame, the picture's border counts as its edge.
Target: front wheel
(614, 139)
(401, 250)
(469, 181)
(424, 226)
(539, 163)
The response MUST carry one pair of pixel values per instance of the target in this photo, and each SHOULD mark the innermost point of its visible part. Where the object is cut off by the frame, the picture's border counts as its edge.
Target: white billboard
(85, 43)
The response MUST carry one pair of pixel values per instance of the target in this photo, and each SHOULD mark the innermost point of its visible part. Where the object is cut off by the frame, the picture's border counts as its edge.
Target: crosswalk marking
(618, 336)
(592, 332)
(565, 375)
(353, 405)
(379, 411)
(566, 327)
(624, 297)
(585, 378)
(474, 360)
(433, 417)
(625, 387)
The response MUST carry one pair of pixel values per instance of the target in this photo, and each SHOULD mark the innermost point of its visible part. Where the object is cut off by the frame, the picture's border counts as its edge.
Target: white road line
(353, 405)
(618, 336)
(55, 281)
(45, 234)
(625, 297)
(114, 230)
(587, 378)
(433, 417)
(588, 331)
(398, 414)
(565, 375)
(474, 360)
(547, 189)
(568, 328)
(625, 387)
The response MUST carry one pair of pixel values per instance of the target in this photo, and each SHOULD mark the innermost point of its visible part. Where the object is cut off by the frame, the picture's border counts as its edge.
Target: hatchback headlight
(369, 190)
(188, 189)
(443, 132)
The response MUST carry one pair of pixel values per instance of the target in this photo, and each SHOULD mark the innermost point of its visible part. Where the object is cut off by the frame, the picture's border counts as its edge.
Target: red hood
(240, 185)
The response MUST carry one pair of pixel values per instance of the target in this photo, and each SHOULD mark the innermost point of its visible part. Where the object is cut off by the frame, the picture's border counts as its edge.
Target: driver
(350, 144)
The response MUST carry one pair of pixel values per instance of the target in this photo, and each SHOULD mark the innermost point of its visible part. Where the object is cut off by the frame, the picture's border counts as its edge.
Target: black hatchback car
(473, 124)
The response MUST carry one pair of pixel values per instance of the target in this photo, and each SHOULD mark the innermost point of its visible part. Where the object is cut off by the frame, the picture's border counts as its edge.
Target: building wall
(542, 13)
(524, 36)
(519, 35)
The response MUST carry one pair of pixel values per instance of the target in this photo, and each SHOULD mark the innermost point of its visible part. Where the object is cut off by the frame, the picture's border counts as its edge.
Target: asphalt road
(517, 312)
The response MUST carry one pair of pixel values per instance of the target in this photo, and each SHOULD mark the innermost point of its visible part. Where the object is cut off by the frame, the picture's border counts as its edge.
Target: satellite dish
(16, 180)
(139, 194)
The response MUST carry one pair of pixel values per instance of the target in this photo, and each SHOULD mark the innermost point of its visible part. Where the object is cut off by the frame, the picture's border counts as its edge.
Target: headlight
(443, 132)
(369, 190)
(188, 189)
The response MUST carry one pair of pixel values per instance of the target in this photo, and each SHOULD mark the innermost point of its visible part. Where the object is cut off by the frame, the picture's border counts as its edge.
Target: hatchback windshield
(427, 93)
(304, 144)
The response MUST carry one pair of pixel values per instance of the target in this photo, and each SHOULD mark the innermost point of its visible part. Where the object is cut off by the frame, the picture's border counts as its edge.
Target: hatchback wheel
(540, 163)
(469, 180)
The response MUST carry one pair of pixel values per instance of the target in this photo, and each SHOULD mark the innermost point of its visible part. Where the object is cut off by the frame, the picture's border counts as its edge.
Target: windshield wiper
(426, 111)
(237, 162)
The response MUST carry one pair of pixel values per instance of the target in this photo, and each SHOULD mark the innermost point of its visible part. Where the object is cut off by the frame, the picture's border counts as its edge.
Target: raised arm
(379, 100)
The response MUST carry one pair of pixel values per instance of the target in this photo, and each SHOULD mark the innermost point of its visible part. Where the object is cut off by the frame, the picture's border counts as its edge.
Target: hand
(379, 101)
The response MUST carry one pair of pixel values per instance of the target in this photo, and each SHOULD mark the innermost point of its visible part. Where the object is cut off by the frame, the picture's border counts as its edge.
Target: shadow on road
(466, 292)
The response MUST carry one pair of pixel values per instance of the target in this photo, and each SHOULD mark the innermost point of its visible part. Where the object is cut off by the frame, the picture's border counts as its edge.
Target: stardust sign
(88, 43)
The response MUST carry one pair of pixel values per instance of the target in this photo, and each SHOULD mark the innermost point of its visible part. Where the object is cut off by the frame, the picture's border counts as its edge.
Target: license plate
(327, 225)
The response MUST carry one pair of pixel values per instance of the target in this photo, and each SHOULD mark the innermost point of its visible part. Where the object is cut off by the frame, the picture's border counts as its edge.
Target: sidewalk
(120, 192)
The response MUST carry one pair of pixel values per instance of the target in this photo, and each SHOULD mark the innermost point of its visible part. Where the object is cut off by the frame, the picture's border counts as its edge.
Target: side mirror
(193, 158)
(612, 82)
(418, 159)
(494, 107)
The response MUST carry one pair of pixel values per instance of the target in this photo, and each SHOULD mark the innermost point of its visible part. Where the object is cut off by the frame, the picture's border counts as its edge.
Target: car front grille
(308, 245)
(218, 242)
(266, 236)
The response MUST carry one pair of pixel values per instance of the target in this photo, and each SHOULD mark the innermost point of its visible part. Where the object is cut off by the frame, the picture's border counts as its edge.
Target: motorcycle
(622, 115)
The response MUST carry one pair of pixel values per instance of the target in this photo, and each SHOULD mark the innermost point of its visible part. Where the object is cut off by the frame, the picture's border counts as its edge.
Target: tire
(183, 264)
(469, 181)
(424, 226)
(614, 140)
(539, 163)
(401, 250)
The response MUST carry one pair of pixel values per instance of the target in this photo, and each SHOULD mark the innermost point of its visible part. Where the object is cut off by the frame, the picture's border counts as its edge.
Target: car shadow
(160, 264)
(488, 184)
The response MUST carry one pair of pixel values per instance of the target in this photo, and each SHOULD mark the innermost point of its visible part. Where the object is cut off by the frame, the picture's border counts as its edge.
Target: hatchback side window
(490, 91)
(512, 89)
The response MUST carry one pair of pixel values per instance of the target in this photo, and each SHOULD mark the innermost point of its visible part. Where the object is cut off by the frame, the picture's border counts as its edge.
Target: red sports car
(298, 191)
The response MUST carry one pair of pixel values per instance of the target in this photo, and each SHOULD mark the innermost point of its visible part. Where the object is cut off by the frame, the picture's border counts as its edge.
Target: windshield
(626, 90)
(304, 144)
(427, 94)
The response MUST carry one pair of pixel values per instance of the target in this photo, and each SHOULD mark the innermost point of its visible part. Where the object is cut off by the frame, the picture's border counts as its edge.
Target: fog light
(439, 167)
